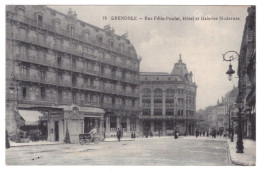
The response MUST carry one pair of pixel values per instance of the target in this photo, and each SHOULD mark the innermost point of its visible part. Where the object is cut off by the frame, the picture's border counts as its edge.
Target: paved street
(154, 151)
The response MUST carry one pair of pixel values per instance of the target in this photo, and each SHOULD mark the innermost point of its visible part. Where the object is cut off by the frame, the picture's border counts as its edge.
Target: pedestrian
(197, 133)
(7, 144)
(175, 134)
(185, 133)
(207, 133)
(203, 133)
(118, 134)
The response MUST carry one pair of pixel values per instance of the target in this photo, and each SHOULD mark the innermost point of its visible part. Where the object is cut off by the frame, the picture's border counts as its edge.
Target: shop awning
(30, 117)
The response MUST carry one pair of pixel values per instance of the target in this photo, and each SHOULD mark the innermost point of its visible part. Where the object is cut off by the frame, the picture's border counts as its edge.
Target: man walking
(118, 134)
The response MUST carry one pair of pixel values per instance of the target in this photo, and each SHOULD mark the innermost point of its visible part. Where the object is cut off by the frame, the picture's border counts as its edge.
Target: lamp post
(239, 146)
(230, 56)
(231, 122)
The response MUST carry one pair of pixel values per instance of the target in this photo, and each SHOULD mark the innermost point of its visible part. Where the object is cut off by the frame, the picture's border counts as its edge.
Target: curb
(36, 145)
(117, 140)
(236, 162)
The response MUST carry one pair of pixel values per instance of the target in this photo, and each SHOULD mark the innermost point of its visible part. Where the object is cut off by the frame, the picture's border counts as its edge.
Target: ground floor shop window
(113, 124)
(132, 127)
(88, 124)
(123, 125)
(157, 125)
(169, 125)
(33, 132)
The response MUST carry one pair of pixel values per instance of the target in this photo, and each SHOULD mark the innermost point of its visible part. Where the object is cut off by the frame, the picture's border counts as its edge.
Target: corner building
(168, 101)
(68, 73)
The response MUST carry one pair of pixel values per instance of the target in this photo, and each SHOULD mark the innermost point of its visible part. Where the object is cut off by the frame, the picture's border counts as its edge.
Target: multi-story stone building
(247, 74)
(71, 74)
(168, 101)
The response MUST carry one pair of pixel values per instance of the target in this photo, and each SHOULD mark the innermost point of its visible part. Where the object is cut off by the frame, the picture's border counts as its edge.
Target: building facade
(231, 109)
(74, 74)
(247, 74)
(168, 101)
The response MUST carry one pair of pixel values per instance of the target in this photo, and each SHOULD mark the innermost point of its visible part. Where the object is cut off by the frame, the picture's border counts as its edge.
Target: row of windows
(71, 29)
(168, 112)
(88, 80)
(171, 101)
(24, 51)
(88, 97)
(158, 92)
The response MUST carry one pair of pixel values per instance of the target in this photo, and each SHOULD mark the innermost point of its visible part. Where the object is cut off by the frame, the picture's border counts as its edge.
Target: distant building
(168, 101)
(231, 108)
(68, 74)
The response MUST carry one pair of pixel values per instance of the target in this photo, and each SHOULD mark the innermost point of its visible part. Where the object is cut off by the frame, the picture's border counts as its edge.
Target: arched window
(56, 23)
(157, 92)
(20, 9)
(170, 93)
(122, 47)
(86, 34)
(39, 18)
(146, 92)
(100, 38)
(111, 43)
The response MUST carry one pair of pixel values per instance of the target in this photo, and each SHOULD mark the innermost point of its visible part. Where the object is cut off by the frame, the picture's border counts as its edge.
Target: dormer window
(111, 43)
(72, 30)
(56, 23)
(86, 34)
(40, 19)
(122, 47)
(100, 38)
(20, 10)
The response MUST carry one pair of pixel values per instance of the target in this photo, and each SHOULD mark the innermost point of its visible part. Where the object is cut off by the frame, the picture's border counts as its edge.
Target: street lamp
(229, 56)
(239, 146)
(229, 72)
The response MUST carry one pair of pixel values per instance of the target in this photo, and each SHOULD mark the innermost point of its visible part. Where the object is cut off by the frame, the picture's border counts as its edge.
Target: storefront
(32, 126)
(76, 120)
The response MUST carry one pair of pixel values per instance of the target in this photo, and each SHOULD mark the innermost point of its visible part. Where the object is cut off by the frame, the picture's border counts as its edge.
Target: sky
(159, 42)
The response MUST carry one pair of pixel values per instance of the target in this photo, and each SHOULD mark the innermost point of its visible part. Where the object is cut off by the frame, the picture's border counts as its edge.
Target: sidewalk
(248, 158)
(134, 139)
(38, 143)
(204, 138)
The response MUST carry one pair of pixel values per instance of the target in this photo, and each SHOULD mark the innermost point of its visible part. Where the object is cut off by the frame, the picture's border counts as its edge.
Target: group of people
(201, 133)
(213, 133)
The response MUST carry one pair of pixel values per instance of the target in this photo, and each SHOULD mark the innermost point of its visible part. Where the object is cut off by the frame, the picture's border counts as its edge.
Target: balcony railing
(169, 104)
(63, 32)
(166, 117)
(71, 51)
(45, 62)
(157, 104)
(74, 85)
(118, 106)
